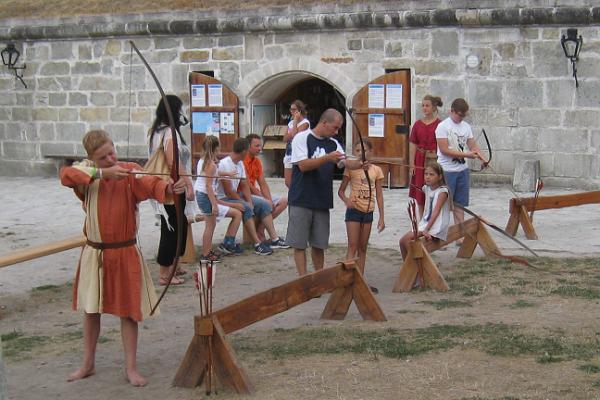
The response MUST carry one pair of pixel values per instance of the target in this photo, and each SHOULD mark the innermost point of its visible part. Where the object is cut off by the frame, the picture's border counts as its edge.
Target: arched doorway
(270, 102)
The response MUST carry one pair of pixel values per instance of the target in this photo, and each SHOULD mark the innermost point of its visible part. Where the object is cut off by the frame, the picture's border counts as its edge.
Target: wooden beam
(455, 232)
(281, 298)
(558, 201)
(33, 252)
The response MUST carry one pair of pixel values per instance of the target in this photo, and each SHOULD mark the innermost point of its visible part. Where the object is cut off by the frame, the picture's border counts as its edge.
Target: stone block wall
(520, 89)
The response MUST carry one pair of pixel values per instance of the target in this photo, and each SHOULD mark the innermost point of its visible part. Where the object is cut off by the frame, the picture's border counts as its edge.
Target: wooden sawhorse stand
(521, 207)
(344, 280)
(419, 264)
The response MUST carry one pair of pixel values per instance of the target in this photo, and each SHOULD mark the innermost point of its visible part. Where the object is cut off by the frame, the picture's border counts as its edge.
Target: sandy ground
(37, 211)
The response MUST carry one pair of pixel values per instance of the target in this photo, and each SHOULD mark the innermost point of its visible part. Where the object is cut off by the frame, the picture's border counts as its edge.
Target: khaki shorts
(307, 227)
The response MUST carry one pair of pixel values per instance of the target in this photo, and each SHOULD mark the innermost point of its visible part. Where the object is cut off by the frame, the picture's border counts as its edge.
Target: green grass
(589, 368)
(566, 277)
(447, 303)
(494, 339)
(18, 345)
(522, 304)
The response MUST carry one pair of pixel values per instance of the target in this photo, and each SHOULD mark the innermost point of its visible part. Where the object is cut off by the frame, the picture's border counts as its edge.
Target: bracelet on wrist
(99, 173)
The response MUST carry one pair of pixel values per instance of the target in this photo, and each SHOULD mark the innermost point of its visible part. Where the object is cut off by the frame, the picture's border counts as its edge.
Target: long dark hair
(162, 117)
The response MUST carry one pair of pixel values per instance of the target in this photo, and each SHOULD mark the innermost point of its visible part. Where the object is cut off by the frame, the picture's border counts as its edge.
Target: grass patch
(410, 312)
(17, 345)
(54, 288)
(494, 339)
(447, 303)
(566, 277)
(589, 368)
(522, 304)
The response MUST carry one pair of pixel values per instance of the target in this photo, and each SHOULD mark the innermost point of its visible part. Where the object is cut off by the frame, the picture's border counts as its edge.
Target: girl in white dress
(436, 216)
(298, 124)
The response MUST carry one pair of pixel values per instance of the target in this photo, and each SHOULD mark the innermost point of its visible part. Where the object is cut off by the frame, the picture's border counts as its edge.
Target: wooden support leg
(189, 257)
(486, 242)
(419, 258)
(526, 224)
(366, 303)
(339, 302)
(467, 248)
(228, 369)
(192, 368)
(513, 222)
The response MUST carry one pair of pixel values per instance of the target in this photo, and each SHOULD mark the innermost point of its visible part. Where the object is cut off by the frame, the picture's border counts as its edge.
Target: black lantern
(571, 46)
(10, 56)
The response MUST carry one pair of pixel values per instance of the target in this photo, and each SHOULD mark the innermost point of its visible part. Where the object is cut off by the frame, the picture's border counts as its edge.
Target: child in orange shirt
(360, 207)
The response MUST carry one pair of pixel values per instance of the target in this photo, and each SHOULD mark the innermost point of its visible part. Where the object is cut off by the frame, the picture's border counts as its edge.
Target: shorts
(458, 183)
(261, 209)
(354, 215)
(206, 207)
(307, 227)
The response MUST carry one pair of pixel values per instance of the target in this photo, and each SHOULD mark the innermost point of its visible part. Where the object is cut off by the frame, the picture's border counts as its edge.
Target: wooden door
(213, 111)
(382, 111)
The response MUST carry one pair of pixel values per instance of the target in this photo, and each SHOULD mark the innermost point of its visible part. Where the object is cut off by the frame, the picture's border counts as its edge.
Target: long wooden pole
(33, 252)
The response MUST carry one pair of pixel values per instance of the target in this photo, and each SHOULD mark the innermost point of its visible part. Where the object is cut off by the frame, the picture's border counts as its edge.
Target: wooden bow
(362, 148)
(179, 211)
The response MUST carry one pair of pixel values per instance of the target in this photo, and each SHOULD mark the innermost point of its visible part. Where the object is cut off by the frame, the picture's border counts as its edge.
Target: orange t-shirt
(360, 187)
(253, 168)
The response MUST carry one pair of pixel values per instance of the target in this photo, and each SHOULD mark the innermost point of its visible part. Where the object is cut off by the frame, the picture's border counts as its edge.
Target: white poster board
(393, 96)
(215, 95)
(198, 95)
(227, 123)
(376, 96)
(376, 125)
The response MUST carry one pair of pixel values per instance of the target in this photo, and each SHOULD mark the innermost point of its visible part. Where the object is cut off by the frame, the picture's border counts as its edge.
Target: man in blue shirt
(314, 155)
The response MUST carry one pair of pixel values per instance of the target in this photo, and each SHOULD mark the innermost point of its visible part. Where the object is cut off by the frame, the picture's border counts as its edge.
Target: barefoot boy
(111, 276)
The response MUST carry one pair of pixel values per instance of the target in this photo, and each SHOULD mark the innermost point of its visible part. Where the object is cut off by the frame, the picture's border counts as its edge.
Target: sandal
(181, 271)
(164, 280)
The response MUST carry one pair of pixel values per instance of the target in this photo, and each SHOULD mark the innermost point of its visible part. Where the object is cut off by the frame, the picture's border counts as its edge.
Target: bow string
(174, 174)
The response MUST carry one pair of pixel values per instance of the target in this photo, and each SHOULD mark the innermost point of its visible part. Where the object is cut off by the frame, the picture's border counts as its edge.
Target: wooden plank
(467, 248)
(227, 367)
(486, 242)
(526, 224)
(408, 274)
(455, 232)
(432, 277)
(189, 257)
(512, 226)
(365, 301)
(279, 299)
(338, 304)
(560, 201)
(193, 367)
(33, 252)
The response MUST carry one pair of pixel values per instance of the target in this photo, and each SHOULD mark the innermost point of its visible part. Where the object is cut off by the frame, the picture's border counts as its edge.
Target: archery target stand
(343, 280)
(419, 266)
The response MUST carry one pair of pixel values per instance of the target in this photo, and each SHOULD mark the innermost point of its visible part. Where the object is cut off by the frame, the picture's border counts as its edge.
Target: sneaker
(279, 243)
(211, 256)
(226, 249)
(238, 250)
(263, 249)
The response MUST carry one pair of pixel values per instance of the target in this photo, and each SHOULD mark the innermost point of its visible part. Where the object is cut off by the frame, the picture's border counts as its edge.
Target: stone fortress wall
(81, 73)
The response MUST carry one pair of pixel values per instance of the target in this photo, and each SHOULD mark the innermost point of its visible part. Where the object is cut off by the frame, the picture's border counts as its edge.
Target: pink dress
(423, 136)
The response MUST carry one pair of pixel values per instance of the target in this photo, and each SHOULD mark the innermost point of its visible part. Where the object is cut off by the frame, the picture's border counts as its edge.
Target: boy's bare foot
(135, 378)
(81, 373)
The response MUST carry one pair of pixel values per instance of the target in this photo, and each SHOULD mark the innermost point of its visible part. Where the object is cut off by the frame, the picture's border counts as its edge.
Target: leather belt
(115, 245)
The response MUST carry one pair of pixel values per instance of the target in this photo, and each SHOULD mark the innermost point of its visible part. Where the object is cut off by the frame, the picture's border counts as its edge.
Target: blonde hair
(95, 139)
(209, 151)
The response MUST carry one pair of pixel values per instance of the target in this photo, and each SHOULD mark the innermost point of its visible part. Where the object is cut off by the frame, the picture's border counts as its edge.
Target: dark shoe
(263, 249)
(374, 289)
(279, 243)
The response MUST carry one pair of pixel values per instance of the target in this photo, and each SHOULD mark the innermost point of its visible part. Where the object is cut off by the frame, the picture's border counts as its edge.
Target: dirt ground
(504, 331)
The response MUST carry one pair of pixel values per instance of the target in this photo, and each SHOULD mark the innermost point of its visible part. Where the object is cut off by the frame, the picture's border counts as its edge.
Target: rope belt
(115, 245)
(429, 154)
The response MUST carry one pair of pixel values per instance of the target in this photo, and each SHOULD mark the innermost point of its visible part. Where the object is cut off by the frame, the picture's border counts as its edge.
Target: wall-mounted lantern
(571, 45)
(10, 56)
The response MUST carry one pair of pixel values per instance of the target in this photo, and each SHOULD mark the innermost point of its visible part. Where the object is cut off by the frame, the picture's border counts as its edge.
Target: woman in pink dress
(423, 147)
